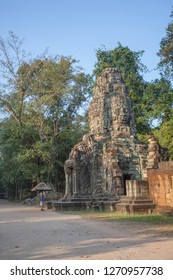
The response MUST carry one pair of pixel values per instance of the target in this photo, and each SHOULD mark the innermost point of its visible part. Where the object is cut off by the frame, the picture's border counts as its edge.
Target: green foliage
(164, 134)
(166, 51)
(124, 217)
(158, 101)
(163, 92)
(41, 100)
(121, 58)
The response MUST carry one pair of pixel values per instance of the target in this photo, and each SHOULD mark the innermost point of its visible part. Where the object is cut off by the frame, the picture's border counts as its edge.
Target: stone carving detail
(110, 153)
(155, 153)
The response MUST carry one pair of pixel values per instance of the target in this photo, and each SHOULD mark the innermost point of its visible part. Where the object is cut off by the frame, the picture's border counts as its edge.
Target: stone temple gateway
(110, 154)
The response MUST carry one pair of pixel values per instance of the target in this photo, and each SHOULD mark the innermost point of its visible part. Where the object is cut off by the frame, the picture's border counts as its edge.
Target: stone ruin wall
(110, 161)
(110, 153)
(161, 184)
(159, 174)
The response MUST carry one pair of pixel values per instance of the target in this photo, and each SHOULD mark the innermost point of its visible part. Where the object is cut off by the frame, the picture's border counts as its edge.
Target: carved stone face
(124, 115)
(118, 181)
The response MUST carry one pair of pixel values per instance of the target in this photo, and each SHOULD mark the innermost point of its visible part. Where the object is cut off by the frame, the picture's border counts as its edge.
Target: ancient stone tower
(110, 153)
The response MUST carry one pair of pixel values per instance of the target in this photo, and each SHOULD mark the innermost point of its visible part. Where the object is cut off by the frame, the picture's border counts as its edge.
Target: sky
(78, 28)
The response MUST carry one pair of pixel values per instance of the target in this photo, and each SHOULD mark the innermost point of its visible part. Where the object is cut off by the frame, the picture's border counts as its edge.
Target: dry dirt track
(28, 233)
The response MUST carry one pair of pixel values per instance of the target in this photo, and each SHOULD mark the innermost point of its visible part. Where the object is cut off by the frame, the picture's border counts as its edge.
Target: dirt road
(28, 233)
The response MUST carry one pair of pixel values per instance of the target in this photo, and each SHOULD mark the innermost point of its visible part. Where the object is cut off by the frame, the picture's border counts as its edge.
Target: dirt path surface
(28, 233)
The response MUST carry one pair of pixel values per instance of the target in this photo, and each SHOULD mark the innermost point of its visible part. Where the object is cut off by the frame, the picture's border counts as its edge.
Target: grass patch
(116, 216)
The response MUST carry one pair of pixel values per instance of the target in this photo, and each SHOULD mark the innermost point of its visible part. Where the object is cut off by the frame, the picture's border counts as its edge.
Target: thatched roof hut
(42, 187)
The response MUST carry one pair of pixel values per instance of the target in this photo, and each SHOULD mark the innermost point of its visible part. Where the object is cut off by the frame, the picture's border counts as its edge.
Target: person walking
(42, 200)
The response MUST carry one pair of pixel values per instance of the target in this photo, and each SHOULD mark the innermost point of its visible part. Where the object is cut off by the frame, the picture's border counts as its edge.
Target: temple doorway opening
(125, 178)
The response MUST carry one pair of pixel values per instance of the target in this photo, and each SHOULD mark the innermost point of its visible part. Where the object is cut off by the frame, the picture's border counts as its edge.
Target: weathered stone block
(161, 185)
(137, 189)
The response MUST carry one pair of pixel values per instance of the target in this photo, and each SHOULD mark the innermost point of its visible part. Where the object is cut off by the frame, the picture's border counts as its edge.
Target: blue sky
(78, 28)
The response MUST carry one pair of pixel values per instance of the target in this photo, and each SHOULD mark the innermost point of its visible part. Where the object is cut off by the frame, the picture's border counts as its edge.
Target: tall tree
(163, 92)
(41, 101)
(11, 59)
(166, 51)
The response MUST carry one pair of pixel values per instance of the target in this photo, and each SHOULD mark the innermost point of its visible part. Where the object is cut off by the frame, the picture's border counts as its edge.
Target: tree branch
(8, 108)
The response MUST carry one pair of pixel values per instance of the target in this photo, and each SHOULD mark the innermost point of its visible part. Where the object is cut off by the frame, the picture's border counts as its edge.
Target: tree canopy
(42, 101)
(166, 51)
(165, 102)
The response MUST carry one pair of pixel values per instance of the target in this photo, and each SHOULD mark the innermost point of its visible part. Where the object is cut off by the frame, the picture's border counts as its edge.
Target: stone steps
(135, 205)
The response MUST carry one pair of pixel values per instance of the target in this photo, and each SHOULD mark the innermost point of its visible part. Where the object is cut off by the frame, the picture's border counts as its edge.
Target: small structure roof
(42, 187)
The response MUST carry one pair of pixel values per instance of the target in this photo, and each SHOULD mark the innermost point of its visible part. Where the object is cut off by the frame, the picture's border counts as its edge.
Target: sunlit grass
(117, 216)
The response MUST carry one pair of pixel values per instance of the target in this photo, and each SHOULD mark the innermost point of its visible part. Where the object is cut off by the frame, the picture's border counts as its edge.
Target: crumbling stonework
(137, 199)
(155, 153)
(110, 153)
